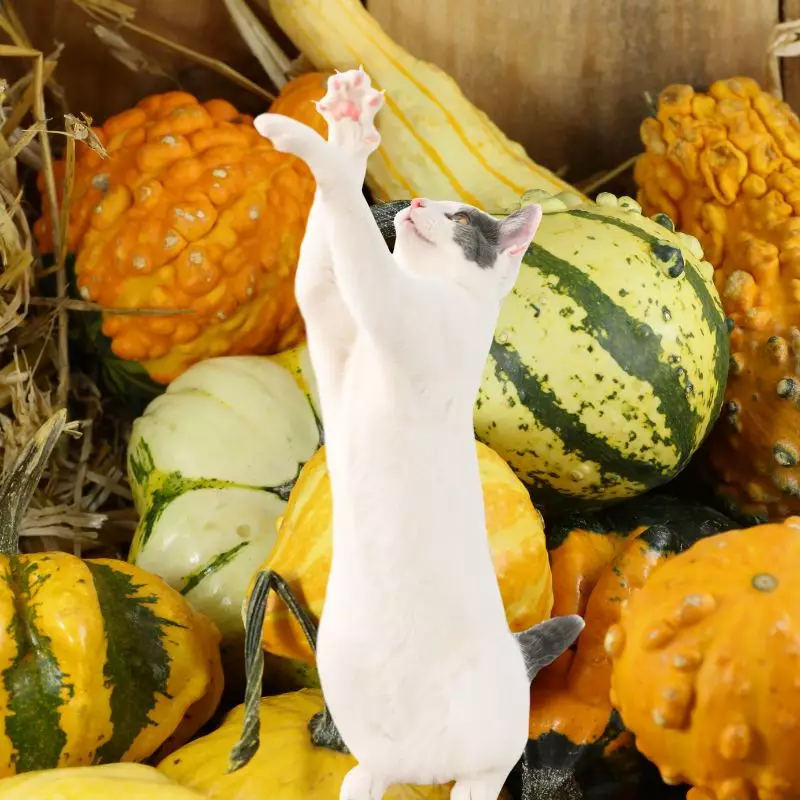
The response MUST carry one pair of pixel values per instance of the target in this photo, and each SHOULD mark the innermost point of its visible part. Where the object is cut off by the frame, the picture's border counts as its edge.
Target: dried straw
(35, 377)
(120, 16)
(784, 42)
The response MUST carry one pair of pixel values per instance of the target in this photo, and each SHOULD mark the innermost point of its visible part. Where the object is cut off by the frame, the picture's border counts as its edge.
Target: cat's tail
(544, 643)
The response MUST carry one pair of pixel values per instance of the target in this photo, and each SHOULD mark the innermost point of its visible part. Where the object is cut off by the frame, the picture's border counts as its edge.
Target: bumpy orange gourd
(302, 553)
(725, 166)
(598, 562)
(705, 664)
(193, 211)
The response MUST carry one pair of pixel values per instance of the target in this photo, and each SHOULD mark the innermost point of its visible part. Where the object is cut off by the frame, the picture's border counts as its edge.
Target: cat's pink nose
(416, 202)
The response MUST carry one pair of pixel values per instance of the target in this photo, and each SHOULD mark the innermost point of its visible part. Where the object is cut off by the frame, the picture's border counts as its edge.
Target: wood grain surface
(100, 85)
(790, 67)
(566, 78)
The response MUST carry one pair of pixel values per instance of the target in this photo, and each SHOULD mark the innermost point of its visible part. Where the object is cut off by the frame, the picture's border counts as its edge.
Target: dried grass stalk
(784, 42)
(102, 11)
(274, 61)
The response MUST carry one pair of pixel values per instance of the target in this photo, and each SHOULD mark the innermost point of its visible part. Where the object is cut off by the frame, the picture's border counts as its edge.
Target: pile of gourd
(641, 342)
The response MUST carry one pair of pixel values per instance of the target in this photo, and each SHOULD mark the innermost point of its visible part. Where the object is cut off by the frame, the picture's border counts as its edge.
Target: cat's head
(464, 245)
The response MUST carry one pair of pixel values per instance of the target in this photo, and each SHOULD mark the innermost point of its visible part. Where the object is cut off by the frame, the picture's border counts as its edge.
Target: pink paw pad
(349, 95)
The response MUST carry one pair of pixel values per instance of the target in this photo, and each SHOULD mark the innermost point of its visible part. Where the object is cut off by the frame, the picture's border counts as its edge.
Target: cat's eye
(461, 218)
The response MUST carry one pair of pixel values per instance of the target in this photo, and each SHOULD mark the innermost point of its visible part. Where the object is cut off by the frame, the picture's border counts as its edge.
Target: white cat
(424, 680)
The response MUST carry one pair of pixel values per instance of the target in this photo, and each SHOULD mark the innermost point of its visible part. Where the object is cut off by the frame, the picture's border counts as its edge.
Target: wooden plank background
(566, 79)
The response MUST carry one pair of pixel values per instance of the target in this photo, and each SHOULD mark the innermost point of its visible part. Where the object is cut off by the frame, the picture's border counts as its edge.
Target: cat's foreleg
(371, 285)
(349, 107)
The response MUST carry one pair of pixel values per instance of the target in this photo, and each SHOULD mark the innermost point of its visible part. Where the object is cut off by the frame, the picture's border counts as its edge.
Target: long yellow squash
(434, 142)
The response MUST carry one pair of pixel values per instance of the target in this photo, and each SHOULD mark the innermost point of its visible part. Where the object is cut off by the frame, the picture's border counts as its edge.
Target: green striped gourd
(100, 661)
(211, 463)
(610, 357)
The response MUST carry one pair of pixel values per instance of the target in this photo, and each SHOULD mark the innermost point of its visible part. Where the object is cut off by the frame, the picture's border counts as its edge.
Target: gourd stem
(20, 482)
(321, 727)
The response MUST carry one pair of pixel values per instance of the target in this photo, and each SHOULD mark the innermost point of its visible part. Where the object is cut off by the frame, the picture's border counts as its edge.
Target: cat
(423, 678)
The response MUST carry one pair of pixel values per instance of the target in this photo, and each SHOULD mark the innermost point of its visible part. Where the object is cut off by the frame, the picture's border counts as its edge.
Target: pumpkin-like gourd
(211, 463)
(725, 165)
(131, 781)
(192, 212)
(434, 142)
(706, 664)
(287, 765)
(576, 741)
(302, 554)
(610, 357)
(100, 660)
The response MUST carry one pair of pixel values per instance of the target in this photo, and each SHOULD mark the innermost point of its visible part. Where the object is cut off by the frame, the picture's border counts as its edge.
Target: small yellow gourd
(286, 766)
(131, 781)
(302, 553)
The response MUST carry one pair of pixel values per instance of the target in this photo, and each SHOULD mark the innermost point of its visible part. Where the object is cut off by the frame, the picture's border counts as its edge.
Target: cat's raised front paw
(290, 136)
(349, 107)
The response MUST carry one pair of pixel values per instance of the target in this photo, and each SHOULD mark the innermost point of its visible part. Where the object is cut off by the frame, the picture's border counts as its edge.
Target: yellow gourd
(100, 661)
(131, 781)
(434, 142)
(302, 553)
(286, 766)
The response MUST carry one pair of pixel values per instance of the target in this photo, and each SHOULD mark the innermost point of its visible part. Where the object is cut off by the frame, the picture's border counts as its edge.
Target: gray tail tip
(576, 623)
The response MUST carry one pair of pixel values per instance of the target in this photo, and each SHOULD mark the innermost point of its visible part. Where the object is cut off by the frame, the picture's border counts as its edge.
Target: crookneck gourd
(610, 357)
(192, 212)
(725, 165)
(434, 142)
(302, 553)
(128, 781)
(706, 659)
(578, 746)
(100, 661)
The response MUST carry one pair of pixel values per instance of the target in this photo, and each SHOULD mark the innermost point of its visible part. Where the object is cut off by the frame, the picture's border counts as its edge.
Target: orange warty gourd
(705, 665)
(193, 210)
(725, 166)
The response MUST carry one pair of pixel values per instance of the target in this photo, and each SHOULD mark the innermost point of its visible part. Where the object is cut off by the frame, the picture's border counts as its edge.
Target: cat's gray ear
(518, 229)
(544, 643)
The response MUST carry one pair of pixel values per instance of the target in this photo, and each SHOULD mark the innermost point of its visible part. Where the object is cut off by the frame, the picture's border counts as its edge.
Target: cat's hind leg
(487, 788)
(361, 784)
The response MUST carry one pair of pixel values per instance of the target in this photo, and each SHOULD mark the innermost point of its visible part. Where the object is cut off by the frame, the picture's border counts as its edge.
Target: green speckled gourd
(610, 357)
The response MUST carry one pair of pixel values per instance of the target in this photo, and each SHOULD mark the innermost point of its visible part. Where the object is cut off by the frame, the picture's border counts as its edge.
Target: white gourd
(211, 463)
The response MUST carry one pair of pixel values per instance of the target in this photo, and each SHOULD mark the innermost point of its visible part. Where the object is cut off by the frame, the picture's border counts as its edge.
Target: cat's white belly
(424, 680)
(426, 707)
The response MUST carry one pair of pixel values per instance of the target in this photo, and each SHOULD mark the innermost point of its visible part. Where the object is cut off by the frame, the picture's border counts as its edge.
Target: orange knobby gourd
(725, 166)
(705, 665)
(192, 211)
